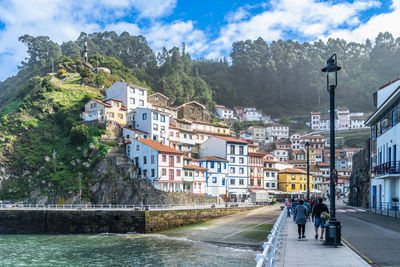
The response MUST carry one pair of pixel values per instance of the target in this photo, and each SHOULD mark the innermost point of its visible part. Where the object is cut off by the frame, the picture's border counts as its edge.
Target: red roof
(323, 164)
(212, 159)
(291, 170)
(271, 169)
(231, 139)
(99, 101)
(194, 167)
(256, 154)
(160, 147)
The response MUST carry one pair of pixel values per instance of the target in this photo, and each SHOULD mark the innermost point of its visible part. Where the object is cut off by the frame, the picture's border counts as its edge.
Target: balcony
(392, 167)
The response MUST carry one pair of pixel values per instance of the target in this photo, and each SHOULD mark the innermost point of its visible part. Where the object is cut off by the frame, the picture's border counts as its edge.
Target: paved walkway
(311, 252)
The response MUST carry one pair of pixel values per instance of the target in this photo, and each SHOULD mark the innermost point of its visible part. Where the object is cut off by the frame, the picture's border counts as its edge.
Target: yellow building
(293, 180)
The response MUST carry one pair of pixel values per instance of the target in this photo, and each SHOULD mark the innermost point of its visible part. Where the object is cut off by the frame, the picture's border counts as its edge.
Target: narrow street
(375, 236)
(244, 230)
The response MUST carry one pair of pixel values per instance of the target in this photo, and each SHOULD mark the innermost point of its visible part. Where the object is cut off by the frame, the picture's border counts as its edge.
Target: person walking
(307, 205)
(300, 218)
(288, 205)
(316, 214)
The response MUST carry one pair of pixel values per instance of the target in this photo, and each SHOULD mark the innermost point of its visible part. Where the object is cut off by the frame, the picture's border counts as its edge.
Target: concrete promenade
(311, 252)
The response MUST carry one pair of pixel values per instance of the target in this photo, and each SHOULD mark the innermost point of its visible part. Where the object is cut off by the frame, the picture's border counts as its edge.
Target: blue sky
(208, 27)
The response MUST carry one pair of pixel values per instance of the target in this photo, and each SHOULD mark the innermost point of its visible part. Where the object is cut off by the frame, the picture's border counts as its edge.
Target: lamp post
(308, 170)
(333, 233)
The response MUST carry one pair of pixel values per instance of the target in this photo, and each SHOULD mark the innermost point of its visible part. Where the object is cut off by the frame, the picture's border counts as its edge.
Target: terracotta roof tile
(194, 167)
(231, 139)
(160, 147)
(291, 170)
(210, 158)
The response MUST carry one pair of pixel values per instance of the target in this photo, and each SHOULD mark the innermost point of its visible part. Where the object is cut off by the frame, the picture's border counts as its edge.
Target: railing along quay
(124, 207)
(269, 256)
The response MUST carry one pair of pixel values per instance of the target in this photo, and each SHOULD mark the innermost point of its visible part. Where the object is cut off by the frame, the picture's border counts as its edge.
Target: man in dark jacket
(318, 209)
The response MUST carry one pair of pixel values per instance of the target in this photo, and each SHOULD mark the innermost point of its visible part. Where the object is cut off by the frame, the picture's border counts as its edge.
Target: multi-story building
(277, 131)
(292, 180)
(256, 170)
(257, 132)
(358, 122)
(315, 141)
(295, 141)
(235, 151)
(159, 163)
(385, 145)
(281, 154)
(193, 111)
(217, 175)
(343, 118)
(224, 113)
(153, 122)
(270, 173)
(315, 120)
(194, 177)
(110, 110)
(131, 95)
(252, 114)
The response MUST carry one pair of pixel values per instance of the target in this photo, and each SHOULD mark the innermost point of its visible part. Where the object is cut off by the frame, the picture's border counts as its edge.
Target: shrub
(61, 73)
(79, 134)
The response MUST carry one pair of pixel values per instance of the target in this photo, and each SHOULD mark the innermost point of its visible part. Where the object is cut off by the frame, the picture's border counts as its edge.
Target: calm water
(120, 250)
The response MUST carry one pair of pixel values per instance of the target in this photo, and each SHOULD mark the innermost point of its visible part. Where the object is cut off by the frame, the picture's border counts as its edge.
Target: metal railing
(391, 209)
(392, 167)
(125, 207)
(269, 255)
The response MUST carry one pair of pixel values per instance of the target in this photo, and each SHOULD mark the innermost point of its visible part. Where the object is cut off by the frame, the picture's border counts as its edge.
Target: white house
(224, 112)
(252, 114)
(236, 152)
(194, 177)
(159, 163)
(277, 131)
(295, 140)
(131, 95)
(385, 146)
(154, 122)
(357, 122)
(217, 175)
(281, 154)
(315, 120)
(343, 117)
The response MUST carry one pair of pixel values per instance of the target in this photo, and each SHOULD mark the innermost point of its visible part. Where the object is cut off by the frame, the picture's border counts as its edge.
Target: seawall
(103, 221)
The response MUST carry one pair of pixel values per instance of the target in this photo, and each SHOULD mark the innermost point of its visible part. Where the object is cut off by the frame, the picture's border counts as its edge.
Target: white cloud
(386, 22)
(308, 18)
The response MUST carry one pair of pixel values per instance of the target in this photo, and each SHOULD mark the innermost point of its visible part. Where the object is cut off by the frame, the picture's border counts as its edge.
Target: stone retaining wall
(91, 222)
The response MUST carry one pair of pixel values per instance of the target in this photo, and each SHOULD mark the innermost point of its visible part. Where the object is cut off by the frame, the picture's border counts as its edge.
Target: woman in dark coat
(300, 218)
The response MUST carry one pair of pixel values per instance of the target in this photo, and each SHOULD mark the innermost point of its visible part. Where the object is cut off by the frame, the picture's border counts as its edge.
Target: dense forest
(282, 77)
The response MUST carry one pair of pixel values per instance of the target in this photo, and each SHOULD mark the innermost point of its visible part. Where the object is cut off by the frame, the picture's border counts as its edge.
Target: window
(241, 160)
(116, 105)
(178, 172)
(111, 115)
(293, 186)
(155, 116)
(232, 159)
(232, 170)
(93, 105)
(153, 173)
(293, 177)
(178, 159)
(164, 158)
(171, 160)
(144, 160)
(162, 118)
(141, 103)
(145, 173)
(241, 181)
(152, 160)
(137, 147)
(251, 182)
(241, 150)
(232, 181)
(214, 180)
(144, 116)
(155, 127)
(301, 186)
(212, 165)
(232, 149)
(163, 172)
(132, 90)
(267, 185)
(120, 116)
(273, 184)
(171, 134)
(141, 92)
(224, 166)
(272, 174)
(223, 181)
(171, 174)
(266, 174)
(241, 170)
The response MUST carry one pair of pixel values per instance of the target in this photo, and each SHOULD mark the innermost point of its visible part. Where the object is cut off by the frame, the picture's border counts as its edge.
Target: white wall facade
(132, 96)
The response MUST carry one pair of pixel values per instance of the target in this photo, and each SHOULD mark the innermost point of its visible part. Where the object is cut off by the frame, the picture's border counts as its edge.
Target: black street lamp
(308, 170)
(333, 232)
